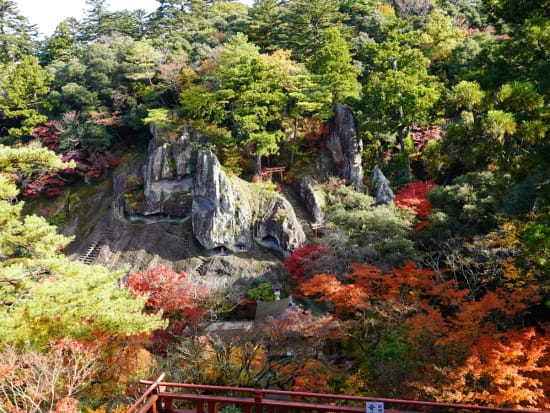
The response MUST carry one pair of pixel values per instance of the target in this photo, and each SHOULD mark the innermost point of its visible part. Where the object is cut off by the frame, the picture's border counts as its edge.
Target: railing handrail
(258, 394)
(152, 386)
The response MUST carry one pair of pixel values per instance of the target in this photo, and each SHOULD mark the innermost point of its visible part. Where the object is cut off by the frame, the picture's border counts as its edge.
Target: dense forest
(432, 278)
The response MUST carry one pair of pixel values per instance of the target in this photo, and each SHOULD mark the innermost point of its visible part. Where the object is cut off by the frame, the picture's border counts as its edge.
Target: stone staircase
(186, 240)
(301, 214)
(118, 208)
(91, 254)
(201, 269)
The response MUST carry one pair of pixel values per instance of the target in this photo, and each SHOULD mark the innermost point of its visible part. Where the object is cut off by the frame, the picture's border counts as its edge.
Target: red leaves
(91, 164)
(48, 135)
(48, 184)
(506, 372)
(170, 292)
(415, 197)
(422, 135)
(302, 263)
(183, 303)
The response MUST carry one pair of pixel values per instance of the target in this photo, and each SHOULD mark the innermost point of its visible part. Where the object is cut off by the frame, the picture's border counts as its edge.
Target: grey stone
(278, 226)
(167, 185)
(231, 213)
(220, 215)
(382, 188)
(345, 146)
(313, 199)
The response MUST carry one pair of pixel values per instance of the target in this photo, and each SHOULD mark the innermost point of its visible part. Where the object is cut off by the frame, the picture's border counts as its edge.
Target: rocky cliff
(313, 199)
(221, 216)
(176, 206)
(166, 173)
(231, 213)
(344, 148)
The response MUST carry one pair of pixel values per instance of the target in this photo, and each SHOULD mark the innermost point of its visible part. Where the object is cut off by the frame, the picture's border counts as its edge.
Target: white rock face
(167, 183)
(221, 216)
(229, 216)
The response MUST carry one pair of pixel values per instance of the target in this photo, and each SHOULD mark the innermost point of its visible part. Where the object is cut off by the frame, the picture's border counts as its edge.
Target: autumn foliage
(32, 381)
(89, 164)
(507, 372)
(303, 261)
(415, 197)
(457, 343)
(182, 303)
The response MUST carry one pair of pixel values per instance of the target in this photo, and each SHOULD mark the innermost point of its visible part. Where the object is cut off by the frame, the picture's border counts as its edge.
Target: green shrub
(263, 292)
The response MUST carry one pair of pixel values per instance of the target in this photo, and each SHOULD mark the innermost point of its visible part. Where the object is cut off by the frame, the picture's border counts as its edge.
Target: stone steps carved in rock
(186, 243)
(301, 214)
(118, 208)
(201, 269)
(95, 247)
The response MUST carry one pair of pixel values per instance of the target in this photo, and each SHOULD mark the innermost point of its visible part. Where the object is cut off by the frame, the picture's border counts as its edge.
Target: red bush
(302, 263)
(415, 197)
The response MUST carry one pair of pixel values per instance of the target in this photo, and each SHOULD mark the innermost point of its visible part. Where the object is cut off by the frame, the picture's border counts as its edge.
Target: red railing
(209, 399)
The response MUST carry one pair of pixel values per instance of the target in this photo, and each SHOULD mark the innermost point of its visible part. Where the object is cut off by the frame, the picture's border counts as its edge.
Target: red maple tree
(304, 261)
(183, 303)
(415, 197)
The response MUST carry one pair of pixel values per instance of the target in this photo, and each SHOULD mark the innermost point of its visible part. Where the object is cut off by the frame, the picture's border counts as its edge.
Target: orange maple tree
(446, 331)
(505, 372)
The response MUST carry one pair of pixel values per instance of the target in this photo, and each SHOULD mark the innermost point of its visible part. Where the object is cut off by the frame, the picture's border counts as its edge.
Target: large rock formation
(221, 216)
(345, 146)
(167, 184)
(230, 213)
(278, 227)
(313, 199)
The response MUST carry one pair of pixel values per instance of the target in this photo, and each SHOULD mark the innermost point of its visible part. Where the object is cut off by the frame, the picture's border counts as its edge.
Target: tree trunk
(257, 164)
(294, 139)
(402, 132)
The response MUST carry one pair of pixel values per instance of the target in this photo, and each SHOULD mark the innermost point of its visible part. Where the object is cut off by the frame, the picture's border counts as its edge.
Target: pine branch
(40, 271)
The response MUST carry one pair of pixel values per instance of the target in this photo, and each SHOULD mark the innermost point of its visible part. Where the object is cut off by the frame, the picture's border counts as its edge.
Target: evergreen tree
(304, 22)
(399, 89)
(93, 21)
(16, 34)
(254, 88)
(60, 46)
(22, 84)
(333, 64)
(265, 17)
(44, 296)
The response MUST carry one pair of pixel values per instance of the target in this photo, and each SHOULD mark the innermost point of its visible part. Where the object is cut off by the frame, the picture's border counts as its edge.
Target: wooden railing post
(258, 400)
(157, 407)
(199, 406)
(168, 405)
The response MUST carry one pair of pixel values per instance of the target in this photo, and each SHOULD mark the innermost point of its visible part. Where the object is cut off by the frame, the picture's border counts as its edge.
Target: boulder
(278, 226)
(345, 146)
(382, 188)
(313, 199)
